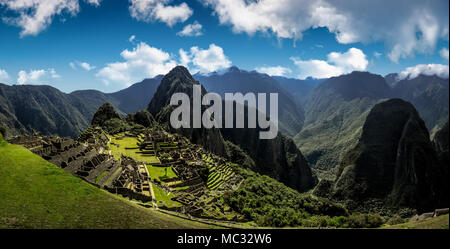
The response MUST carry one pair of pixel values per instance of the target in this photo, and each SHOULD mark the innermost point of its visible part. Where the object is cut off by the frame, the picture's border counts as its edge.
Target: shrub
(395, 220)
(365, 220)
(115, 125)
(338, 221)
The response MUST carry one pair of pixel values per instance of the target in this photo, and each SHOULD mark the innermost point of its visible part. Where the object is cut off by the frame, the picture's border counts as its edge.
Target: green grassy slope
(440, 222)
(37, 194)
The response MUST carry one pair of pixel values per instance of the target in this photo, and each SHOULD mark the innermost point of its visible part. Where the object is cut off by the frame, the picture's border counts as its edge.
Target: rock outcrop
(394, 161)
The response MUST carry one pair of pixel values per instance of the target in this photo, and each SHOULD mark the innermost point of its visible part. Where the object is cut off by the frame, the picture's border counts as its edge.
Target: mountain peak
(394, 160)
(178, 80)
(179, 71)
(234, 69)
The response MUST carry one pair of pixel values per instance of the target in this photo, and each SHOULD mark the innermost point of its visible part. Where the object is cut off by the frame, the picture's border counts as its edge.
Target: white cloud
(94, 2)
(84, 65)
(142, 62)
(444, 53)
(430, 69)
(405, 26)
(132, 38)
(151, 10)
(145, 61)
(205, 60)
(194, 29)
(3, 75)
(335, 65)
(36, 76)
(377, 54)
(34, 16)
(274, 71)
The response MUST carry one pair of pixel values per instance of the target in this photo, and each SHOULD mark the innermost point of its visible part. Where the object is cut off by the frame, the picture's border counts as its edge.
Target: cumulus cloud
(406, 26)
(132, 38)
(444, 53)
(36, 76)
(34, 16)
(335, 65)
(430, 69)
(194, 29)
(205, 60)
(142, 62)
(152, 10)
(274, 71)
(3, 75)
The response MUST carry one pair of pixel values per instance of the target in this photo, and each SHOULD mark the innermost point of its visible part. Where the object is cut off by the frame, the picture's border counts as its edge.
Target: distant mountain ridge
(235, 80)
(430, 96)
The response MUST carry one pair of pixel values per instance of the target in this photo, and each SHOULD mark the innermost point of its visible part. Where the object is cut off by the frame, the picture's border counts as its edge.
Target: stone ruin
(87, 159)
(132, 181)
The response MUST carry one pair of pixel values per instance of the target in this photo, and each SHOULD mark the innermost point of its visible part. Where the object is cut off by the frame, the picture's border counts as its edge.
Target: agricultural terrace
(218, 173)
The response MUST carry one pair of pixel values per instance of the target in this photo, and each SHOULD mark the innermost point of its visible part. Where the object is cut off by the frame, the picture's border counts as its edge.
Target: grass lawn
(38, 194)
(159, 173)
(163, 199)
(130, 142)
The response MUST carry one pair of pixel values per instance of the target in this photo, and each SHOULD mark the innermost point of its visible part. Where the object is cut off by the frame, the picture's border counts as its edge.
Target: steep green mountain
(278, 158)
(290, 113)
(429, 95)
(299, 88)
(38, 194)
(335, 112)
(394, 162)
(103, 114)
(179, 80)
(41, 108)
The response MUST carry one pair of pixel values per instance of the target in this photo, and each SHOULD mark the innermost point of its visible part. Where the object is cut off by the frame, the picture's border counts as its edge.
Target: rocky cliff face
(394, 161)
(278, 158)
(440, 142)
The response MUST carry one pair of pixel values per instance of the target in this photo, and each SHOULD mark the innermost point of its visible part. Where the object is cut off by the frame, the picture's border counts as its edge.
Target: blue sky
(85, 44)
